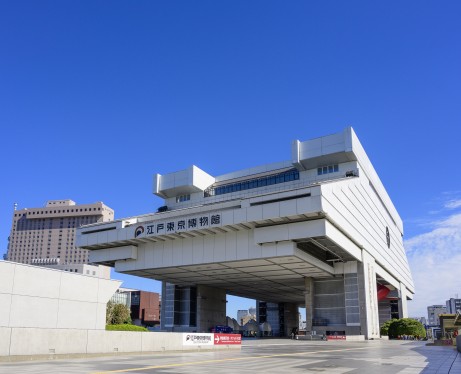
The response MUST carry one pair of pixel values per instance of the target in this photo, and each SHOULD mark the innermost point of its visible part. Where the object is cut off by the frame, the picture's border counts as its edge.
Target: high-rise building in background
(41, 236)
(242, 314)
(433, 312)
(453, 305)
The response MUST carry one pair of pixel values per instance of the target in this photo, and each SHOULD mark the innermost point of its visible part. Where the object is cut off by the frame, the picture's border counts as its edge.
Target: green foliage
(117, 314)
(403, 326)
(125, 327)
(385, 326)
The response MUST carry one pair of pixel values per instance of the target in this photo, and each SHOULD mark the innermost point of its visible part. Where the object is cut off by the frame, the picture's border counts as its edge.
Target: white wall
(35, 342)
(36, 297)
(353, 205)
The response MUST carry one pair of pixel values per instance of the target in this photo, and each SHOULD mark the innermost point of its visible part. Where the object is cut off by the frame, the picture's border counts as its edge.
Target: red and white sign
(336, 337)
(227, 339)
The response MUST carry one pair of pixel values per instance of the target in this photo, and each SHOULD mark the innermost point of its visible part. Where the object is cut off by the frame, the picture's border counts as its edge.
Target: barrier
(50, 343)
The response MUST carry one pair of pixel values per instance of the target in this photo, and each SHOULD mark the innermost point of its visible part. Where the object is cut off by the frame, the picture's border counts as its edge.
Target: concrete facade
(33, 297)
(46, 236)
(288, 232)
(47, 313)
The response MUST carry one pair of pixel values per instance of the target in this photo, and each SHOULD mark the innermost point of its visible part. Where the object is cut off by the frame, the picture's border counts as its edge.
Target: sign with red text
(227, 339)
(336, 337)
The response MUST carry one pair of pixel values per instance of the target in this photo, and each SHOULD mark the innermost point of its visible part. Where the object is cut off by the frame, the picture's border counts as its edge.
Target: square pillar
(369, 313)
(309, 300)
(403, 305)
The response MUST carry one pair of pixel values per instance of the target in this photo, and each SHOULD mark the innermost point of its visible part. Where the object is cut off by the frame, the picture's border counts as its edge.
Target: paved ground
(269, 356)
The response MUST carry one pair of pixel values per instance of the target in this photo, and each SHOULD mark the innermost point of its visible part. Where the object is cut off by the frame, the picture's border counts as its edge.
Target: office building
(453, 305)
(144, 305)
(241, 314)
(41, 236)
(98, 271)
(433, 313)
(145, 308)
(122, 296)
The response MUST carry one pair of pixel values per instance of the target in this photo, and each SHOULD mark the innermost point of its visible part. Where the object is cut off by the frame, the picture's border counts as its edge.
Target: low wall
(30, 342)
(355, 338)
(40, 298)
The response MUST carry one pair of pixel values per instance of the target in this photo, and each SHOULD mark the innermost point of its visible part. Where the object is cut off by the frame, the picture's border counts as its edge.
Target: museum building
(318, 231)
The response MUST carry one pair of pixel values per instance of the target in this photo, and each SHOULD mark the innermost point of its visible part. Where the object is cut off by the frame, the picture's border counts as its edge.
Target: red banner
(227, 339)
(336, 337)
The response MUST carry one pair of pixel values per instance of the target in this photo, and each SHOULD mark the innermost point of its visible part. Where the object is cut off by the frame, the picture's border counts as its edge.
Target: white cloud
(453, 204)
(435, 262)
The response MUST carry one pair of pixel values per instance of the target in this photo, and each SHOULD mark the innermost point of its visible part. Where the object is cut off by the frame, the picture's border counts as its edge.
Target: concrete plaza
(268, 356)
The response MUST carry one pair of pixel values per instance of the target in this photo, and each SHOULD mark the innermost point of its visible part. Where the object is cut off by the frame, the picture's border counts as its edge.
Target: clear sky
(97, 96)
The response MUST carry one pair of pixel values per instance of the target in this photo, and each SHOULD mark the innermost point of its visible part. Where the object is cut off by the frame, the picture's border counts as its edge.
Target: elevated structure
(318, 231)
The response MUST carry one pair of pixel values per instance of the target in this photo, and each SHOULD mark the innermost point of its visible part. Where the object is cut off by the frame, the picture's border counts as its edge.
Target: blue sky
(97, 96)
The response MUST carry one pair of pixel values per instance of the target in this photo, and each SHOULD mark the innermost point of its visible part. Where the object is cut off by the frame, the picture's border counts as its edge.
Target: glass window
(182, 198)
(287, 176)
(328, 169)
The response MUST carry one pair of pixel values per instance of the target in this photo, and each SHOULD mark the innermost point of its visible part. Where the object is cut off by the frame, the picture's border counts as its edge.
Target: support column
(167, 307)
(291, 318)
(309, 300)
(192, 309)
(369, 314)
(211, 307)
(403, 306)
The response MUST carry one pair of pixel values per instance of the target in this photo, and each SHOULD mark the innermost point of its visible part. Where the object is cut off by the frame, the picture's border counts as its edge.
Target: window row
(58, 211)
(328, 169)
(286, 176)
(182, 198)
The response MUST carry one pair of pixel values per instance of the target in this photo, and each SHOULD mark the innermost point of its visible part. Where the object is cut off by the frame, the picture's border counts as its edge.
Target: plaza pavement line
(226, 359)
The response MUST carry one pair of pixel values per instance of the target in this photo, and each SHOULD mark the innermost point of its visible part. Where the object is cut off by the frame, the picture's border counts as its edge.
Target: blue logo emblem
(139, 230)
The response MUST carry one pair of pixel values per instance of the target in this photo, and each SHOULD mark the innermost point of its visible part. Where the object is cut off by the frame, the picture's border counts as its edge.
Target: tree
(117, 314)
(385, 326)
(403, 326)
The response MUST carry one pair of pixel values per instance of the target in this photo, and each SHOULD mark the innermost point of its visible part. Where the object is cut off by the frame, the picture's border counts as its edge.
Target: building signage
(336, 337)
(178, 225)
(197, 339)
(223, 339)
